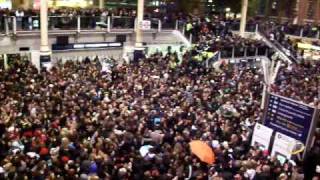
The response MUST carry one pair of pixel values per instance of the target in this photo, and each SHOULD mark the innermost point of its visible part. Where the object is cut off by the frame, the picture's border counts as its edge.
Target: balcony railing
(14, 25)
(237, 55)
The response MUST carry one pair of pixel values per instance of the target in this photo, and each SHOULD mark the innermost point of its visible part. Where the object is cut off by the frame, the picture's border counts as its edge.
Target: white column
(243, 17)
(177, 24)
(264, 96)
(159, 25)
(140, 12)
(296, 18)
(78, 24)
(44, 45)
(14, 25)
(109, 23)
(101, 4)
(6, 23)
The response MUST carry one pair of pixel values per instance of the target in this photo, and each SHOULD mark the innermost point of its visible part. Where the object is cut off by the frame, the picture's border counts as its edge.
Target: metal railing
(237, 54)
(250, 27)
(243, 52)
(302, 31)
(14, 25)
(122, 22)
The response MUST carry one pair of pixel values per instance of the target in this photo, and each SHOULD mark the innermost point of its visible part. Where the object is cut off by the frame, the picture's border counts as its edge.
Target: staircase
(282, 52)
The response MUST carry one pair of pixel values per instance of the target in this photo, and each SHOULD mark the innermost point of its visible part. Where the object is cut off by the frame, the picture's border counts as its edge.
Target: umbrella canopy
(202, 151)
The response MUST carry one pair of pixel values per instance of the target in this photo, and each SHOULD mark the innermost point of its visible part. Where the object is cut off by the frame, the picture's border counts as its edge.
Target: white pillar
(301, 32)
(109, 23)
(264, 96)
(140, 12)
(44, 44)
(78, 24)
(159, 25)
(101, 4)
(177, 24)
(14, 25)
(296, 18)
(243, 17)
(6, 23)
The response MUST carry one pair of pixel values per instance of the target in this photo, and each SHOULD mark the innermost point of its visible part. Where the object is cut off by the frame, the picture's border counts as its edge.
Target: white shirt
(19, 13)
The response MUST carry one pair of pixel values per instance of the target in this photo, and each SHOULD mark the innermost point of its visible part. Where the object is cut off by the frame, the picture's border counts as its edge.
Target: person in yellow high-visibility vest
(210, 55)
(173, 64)
(189, 28)
(198, 58)
(204, 55)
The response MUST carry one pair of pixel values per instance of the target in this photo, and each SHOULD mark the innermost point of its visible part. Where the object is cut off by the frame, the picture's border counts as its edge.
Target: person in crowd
(19, 14)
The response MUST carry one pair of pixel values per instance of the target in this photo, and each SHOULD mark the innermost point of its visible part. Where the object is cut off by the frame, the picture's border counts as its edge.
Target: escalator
(267, 35)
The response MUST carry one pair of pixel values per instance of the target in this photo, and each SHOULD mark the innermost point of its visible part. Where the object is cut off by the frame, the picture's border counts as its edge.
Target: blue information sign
(289, 117)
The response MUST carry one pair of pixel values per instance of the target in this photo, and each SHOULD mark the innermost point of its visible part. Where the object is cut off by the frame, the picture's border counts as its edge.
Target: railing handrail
(208, 62)
(76, 15)
(276, 47)
(179, 23)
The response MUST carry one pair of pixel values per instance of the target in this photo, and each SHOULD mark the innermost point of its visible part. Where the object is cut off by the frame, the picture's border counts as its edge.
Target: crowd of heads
(300, 82)
(215, 34)
(70, 12)
(67, 17)
(76, 121)
(92, 12)
(286, 36)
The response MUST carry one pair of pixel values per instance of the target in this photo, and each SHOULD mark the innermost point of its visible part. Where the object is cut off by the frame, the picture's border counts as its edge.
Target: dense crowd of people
(300, 81)
(78, 122)
(68, 12)
(90, 17)
(215, 35)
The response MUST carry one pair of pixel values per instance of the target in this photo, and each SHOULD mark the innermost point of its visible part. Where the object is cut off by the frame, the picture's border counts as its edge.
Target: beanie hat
(44, 151)
(65, 159)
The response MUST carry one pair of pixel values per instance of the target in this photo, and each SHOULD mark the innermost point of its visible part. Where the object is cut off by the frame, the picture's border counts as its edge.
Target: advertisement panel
(145, 25)
(283, 147)
(261, 137)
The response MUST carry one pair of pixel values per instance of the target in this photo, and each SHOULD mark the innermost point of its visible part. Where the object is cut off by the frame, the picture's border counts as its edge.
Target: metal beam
(243, 22)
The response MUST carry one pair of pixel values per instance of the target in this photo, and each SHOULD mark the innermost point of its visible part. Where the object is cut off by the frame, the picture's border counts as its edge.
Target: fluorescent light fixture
(78, 46)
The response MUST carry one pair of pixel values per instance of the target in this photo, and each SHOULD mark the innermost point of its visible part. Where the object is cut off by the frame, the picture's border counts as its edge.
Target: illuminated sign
(289, 117)
(70, 3)
(82, 46)
(64, 3)
(5, 4)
